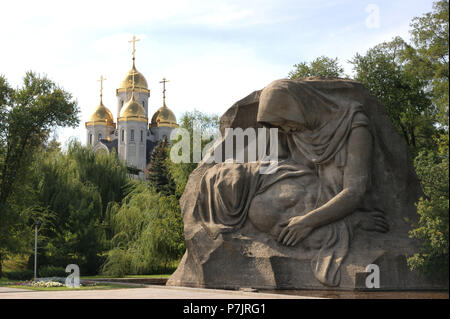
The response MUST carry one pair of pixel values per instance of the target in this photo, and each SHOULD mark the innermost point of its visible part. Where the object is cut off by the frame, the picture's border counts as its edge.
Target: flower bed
(46, 284)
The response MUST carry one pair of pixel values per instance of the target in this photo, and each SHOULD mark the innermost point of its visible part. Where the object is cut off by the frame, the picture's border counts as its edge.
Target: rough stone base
(251, 260)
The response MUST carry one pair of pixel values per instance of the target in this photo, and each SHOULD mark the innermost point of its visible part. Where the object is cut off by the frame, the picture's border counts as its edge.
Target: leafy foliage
(430, 38)
(322, 66)
(76, 186)
(148, 232)
(27, 116)
(20, 274)
(52, 271)
(433, 209)
(147, 225)
(158, 173)
(389, 74)
(32, 111)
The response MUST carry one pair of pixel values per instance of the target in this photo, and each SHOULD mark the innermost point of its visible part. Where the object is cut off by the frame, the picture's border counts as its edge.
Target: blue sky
(213, 52)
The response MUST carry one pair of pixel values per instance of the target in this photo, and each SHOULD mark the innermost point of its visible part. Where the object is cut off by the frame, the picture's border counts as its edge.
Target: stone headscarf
(324, 124)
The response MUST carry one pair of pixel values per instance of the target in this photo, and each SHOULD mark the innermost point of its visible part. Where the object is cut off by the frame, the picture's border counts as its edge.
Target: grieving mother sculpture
(339, 199)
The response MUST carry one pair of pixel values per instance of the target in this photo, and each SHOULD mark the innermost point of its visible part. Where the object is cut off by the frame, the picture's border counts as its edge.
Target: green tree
(77, 186)
(388, 73)
(322, 66)
(431, 63)
(433, 226)
(32, 111)
(205, 126)
(148, 232)
(27, 116)
(158, 173)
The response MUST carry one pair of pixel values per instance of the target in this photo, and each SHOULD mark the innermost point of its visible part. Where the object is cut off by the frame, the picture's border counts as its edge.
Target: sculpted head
(293, 105)
(278, 107)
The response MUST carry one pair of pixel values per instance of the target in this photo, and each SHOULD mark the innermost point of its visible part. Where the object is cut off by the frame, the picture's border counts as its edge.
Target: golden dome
(101, 116)
(164, 117)
(139, 80)
(133, 110)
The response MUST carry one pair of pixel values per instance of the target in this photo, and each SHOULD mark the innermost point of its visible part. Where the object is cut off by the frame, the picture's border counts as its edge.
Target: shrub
(148, 233)
(52, 271)
(20, 274)
(432, 228)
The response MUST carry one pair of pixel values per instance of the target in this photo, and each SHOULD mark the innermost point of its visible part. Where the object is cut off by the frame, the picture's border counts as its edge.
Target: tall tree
(158, 172)
(32, 112)
(387, 72)
(148, 232)
(77, 186)
(27, 116)
(322, 66)
(430, 61)
(430, 38)
(433, 209)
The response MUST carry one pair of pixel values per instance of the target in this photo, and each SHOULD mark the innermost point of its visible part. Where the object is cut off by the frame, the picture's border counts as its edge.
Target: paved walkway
(149, 292)
(7, 290)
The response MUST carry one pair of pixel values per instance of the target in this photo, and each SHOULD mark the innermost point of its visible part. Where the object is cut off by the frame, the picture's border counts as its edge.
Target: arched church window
(142, 135)
(132, 135)
(90, 139)
(99, 136)
(122, 135)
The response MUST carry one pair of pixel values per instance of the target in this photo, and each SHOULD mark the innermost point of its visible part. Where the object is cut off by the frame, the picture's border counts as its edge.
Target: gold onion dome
(140, 83)
(164, 117)
(133, 110)
(101, 116)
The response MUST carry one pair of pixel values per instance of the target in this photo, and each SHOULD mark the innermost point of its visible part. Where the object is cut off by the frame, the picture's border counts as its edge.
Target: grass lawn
(5, 281)
(97, 287)
(13, 284)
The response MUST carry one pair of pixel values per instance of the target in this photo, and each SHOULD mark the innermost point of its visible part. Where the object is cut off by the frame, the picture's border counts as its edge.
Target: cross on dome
(164, 81)
(101, 86)
(134, 40)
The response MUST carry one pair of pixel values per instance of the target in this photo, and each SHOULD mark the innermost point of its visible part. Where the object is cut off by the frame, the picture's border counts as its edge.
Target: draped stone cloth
(321, 122)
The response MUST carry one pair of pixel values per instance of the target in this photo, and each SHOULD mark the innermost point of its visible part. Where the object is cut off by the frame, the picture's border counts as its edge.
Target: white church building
(133, 136)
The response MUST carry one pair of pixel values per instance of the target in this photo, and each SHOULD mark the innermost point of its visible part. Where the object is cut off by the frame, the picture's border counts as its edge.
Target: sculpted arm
(356, 175)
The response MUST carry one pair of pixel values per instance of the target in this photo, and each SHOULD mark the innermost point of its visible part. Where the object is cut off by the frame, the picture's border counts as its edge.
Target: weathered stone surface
(232, 241)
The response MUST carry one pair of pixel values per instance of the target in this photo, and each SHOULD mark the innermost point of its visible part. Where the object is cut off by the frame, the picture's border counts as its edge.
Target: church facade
(134, 134)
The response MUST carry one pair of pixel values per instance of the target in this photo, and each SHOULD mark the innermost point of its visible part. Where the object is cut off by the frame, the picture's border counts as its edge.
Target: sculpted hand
(295, 230)
(372, 221)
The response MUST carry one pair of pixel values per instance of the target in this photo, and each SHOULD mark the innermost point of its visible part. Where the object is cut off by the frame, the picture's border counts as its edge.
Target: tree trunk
(413, 137)
(405, 134)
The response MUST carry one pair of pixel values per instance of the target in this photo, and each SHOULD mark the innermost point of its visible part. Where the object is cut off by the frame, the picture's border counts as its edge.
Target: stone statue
(340, 198)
